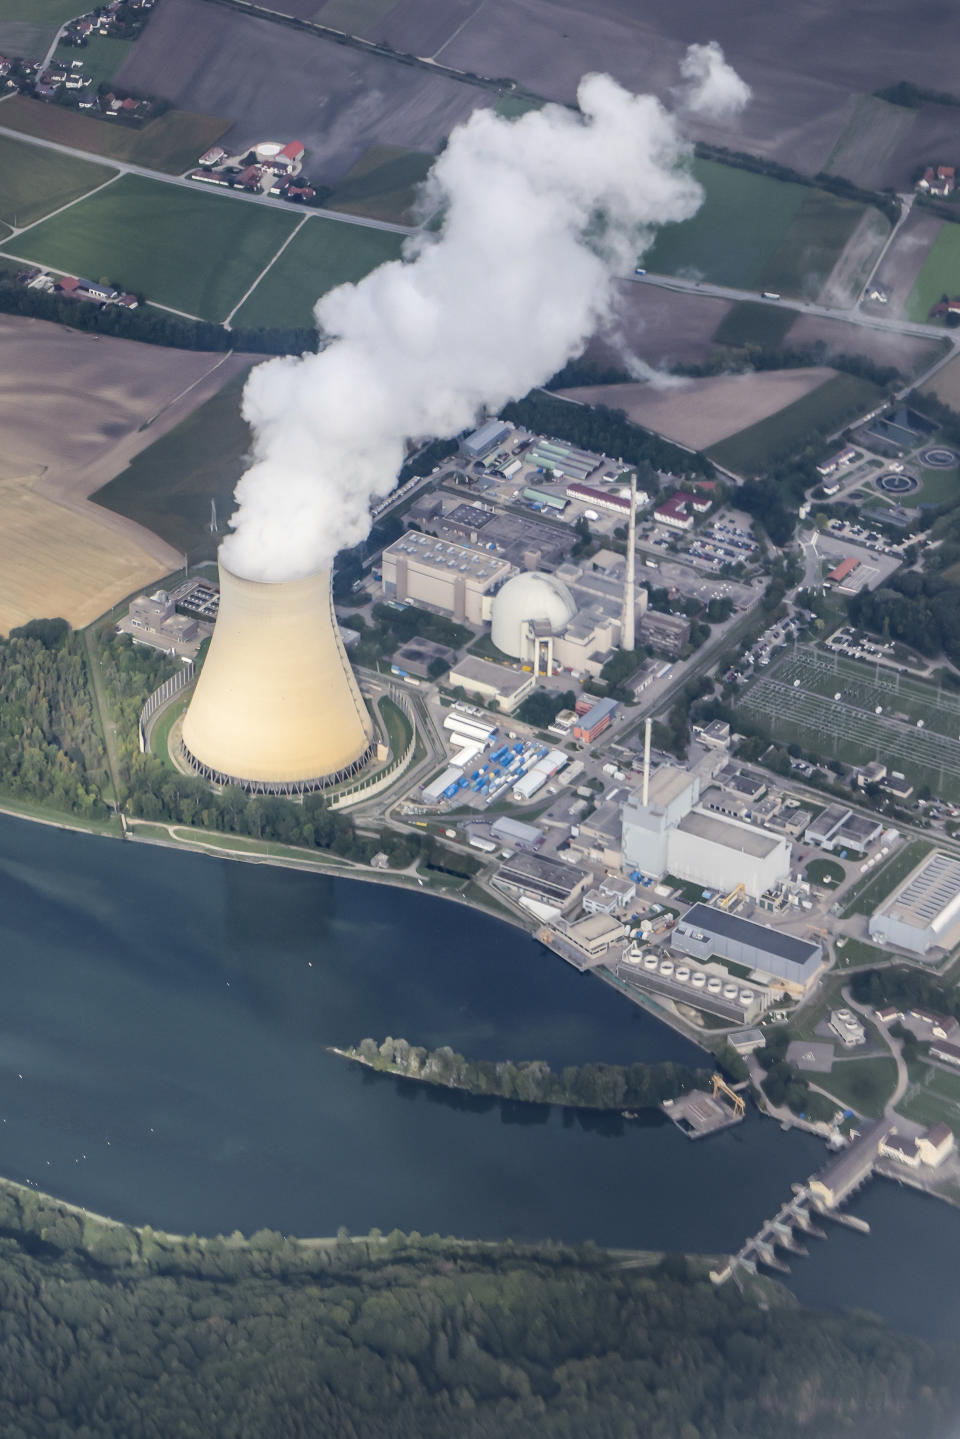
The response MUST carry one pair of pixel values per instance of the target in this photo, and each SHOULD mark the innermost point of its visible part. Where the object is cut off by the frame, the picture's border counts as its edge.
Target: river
(163, 1017)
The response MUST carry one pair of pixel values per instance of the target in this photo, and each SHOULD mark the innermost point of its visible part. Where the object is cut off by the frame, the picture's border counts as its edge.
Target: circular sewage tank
(938, 457)
(893, 482)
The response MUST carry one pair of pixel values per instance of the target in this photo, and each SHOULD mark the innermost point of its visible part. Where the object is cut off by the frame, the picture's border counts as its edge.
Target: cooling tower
(276, 708)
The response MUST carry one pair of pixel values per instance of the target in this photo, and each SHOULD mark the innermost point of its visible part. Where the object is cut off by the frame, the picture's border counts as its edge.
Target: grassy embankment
(874, 888)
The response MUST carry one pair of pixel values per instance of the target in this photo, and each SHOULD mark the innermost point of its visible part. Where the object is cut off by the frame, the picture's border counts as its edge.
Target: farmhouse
(939, 181)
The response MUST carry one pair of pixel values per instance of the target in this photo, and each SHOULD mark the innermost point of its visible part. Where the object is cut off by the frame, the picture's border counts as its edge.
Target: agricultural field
(28, 26)
(382, 184)
(795, 701)
(337, 100)
(37, 181)
(908, 354)
(322, 254)
(821, 230)
(940, 274)
(822, 411)
(168, 487)
(946, 384)
(702, 412)
(753, 323)
(173, 142)
(144, 234)
(869, 141)
(666, 327)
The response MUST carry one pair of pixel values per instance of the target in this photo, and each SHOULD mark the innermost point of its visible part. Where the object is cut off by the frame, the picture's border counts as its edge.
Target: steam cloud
(714, 88)
(541, 215)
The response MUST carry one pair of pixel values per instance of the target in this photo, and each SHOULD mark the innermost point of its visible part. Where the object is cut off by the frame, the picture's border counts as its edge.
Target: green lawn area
(861, 1084)
(102, 57)
(160, 734)
(168, 486)
(940, 274)
(325, 253)
(856, 952)
(938, 487)
(37, 181)
(812, 245)
(382, 184)
(925, 1107)
(194, 252)
(511, 107)
(173, 142)
(820, 412)
(825, 872)
(398, 727)
(752, 323)
(942, 1082)
(871, 891)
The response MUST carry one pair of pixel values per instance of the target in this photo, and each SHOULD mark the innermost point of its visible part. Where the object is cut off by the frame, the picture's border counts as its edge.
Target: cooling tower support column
(628, 635)
(277, 709)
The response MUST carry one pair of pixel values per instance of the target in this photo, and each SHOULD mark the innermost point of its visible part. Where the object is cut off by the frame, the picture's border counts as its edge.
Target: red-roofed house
(68, 285)
(292, 154)
(938, 182)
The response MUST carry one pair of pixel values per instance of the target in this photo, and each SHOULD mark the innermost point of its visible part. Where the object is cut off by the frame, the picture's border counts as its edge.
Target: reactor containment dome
(529, 599)
(277, 709)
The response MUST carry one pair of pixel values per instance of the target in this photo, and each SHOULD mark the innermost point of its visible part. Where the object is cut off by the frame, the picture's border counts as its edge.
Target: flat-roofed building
(771, 955)
(827, 825)
(491, 681)
(923, 913)
(547, 881)
(485, 439)
(447, 577)
(667, 633)
(721, 853)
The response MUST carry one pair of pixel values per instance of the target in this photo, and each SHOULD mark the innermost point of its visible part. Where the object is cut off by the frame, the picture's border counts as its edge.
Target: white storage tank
(713, 985)
(698, 980)
(666, 967)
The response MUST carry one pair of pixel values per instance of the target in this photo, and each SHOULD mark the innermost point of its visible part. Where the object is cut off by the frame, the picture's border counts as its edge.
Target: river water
(163, 1018)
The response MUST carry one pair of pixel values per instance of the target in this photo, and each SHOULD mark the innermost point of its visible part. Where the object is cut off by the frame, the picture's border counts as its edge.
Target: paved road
(126, 168)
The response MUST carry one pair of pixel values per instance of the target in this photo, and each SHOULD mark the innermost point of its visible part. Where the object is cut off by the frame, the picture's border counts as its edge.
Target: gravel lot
(275, 83)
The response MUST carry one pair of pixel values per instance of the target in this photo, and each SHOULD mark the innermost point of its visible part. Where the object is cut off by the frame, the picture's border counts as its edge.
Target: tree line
(108, 1331)
(603, 431)
(586, 1086)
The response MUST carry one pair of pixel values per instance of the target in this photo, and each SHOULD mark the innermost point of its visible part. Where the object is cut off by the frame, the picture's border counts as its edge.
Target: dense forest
(589, 1086)
(107, 1331)
(50, 750)
(604, 431)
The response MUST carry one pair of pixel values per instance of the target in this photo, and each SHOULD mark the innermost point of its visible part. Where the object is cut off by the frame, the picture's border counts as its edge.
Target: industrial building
(523, 541)
(491, 682)
(672, 834)
(152, 620)
(596, 719)
(570, 619)
(838, 827)
(447, 577)
(478, 444)
(923, 913)
(277, 709)
(563, 461)
(667, 633)
(514, 832)
(773, 957)
(547, 882)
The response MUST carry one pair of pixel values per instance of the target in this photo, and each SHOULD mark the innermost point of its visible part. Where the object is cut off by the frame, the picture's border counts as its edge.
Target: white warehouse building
(923, 913)
(671, 834)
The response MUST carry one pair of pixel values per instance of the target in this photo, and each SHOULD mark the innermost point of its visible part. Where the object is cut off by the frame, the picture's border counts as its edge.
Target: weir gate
(821, 1196)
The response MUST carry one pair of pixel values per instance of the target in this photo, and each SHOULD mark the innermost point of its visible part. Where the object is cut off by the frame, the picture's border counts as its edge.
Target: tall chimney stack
(628, 637)
(646, 761)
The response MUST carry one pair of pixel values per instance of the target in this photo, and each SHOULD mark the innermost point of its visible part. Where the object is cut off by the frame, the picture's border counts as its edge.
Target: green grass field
(382, 184)
(168, 486)
(861, 1084)
(752, 323)
(939, 487)
(173, 142)
(37, 181)
(812, 245)
(866, 896)
(39, 12)
(194, 252)
(753, 232)
(102, 57)
(325, 253)
(940, 274)
(825, 872)
(857, 952)
(820, 412)
(398, 727)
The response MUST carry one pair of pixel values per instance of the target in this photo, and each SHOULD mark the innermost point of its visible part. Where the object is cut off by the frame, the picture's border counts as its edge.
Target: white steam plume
(713, 87)
(540, 217)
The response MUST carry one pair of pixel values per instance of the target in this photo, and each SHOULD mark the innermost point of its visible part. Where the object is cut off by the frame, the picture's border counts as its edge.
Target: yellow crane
(720, 1086)
(730, 899)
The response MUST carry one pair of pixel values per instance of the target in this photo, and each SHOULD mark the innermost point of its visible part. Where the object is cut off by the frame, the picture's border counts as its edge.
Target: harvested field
(932, 132)
(940, 274)
(905, 259)
(382, 184)
(663, 327)
(872, 137)
(144, 235)
(172, 142)
(822, 411)
(37, 181)
(424, 29)
(946, 384)
(60, 554)
(335, 99)
(322, 254)
(700, 413)
(909, 354)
